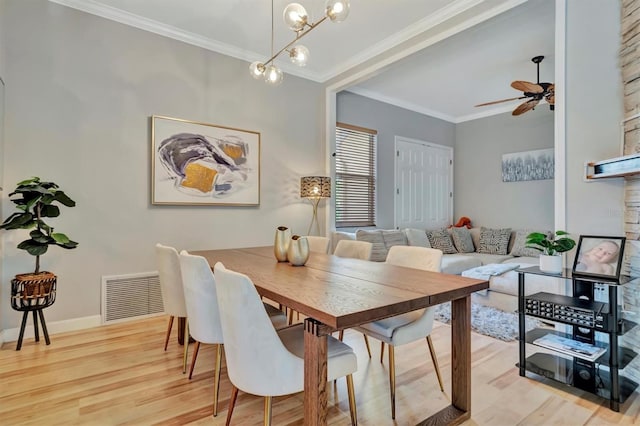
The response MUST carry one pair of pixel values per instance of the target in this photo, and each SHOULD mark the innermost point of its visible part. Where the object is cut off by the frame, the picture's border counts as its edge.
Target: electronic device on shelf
(568, 310)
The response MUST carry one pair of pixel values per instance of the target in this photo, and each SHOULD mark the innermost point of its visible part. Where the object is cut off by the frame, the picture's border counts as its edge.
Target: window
(355, 176)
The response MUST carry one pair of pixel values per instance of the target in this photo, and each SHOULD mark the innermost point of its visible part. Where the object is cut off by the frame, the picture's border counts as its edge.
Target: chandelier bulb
(257, 70)
(273, 75)
(337, 10)
(299, 55)
(295, 16)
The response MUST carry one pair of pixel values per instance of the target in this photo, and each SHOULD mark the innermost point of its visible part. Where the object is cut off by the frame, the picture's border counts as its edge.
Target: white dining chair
(265, 362)
(409, 327)
(353, 249)
(172, 293)
(318, 244)
(204, 315)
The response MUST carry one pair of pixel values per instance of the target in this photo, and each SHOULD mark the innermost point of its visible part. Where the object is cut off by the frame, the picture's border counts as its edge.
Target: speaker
(583, 290)
(584, 375)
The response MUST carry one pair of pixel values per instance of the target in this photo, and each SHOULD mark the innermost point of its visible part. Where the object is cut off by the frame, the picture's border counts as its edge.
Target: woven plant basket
(33, 290)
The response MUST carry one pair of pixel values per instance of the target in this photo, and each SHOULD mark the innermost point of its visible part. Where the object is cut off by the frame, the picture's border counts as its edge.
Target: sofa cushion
(519, 244)
(462, 240)
(394, 238)
(441, 240)
(457, 263)
(494, 241)
(378, 251)
(417, 237)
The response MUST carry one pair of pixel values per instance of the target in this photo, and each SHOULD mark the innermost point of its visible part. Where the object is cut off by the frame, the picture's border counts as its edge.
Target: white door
(424, 184)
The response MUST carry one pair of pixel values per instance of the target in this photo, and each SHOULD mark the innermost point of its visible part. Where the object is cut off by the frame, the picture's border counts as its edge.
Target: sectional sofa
(465, 249)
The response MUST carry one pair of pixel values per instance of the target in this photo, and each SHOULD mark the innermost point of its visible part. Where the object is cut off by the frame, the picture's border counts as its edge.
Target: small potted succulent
(551, 245)
(35, 201)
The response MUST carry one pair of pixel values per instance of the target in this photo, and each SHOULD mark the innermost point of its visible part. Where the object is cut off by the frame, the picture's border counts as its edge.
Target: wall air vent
(128, 297)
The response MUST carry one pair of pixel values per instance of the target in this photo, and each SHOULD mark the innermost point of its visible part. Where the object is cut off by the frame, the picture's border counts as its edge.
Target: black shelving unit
(585, 317)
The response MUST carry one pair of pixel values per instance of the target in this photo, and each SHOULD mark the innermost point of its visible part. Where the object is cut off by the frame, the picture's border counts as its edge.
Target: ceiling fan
(534, 91)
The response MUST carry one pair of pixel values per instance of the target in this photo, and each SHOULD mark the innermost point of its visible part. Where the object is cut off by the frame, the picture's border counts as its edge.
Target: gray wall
(390, 121)
(480, 193)
(79, 94)
(593, 115)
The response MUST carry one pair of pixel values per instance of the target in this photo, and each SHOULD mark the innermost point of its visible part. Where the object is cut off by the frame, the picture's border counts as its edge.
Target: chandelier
(297, 19)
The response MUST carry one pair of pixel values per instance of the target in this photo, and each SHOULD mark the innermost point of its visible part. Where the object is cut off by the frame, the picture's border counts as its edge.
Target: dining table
(335, 293)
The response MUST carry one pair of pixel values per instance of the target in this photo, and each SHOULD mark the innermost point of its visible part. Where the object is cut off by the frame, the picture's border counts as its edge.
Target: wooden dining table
(336, 293)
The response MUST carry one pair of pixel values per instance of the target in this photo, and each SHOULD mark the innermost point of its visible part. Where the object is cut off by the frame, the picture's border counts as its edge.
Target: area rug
(489, 321)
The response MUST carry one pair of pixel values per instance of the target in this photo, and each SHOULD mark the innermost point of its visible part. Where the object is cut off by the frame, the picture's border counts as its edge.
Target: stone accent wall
(630, 67)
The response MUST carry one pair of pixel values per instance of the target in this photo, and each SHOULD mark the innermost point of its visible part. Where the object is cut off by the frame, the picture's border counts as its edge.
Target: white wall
(79, 94)
(480, 193)
(594, 111)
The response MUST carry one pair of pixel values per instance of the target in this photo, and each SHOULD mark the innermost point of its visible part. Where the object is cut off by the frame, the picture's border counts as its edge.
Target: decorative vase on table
(551, 264)
(281, 243)
(298, 251)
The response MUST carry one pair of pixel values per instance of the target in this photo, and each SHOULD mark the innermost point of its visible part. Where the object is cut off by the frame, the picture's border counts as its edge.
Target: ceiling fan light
(295, 16)
(257, 69)
(299, 55)
(273, 75)
(337, 10)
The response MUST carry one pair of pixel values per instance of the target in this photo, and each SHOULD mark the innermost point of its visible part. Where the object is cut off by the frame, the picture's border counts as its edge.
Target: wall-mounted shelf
(627, 165)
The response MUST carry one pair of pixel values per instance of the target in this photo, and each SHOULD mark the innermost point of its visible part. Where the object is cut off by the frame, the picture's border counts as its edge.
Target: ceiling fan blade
(551, 98)
(527, 87)
(497, 102)
(525, 106)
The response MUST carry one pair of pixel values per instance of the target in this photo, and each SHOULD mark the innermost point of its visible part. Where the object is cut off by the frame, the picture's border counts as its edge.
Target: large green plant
(35, 201)
(550, 244)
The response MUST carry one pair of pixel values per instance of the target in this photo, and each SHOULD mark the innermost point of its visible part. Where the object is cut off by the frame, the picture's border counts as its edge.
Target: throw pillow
(462, 240)
(394, 238)
(494, 241)
(417, 237)
(519, 245)
(441, 240)
(378, 251)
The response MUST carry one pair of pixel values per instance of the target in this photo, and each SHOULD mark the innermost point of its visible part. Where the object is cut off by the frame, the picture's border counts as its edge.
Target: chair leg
(44, 327)
(392, 380)
(36, 333)
(366, 342)
(352, 400)
(166, 339)
(435, 362)
(381, 352)
(290, 316)
(196, 347)
(232, 403)
(25, 316)
(267, 411)
(216, 378)
(186, 345)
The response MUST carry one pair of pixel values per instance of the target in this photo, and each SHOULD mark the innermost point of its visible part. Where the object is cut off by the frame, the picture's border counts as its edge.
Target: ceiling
(445, 78)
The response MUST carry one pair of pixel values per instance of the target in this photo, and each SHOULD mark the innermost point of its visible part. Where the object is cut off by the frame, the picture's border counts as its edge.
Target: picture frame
(195, 163)
(599, 256)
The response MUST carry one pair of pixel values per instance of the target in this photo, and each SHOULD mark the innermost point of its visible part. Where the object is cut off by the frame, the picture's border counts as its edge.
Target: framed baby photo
(599, 256)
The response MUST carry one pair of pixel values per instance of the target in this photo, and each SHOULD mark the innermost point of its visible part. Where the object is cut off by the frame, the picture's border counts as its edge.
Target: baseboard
(54, 327)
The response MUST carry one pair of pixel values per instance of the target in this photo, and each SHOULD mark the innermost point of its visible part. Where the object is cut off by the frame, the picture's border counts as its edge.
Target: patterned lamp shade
(315, 187)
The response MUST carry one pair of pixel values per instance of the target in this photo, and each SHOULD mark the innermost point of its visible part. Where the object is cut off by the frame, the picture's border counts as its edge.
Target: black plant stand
(33, 293)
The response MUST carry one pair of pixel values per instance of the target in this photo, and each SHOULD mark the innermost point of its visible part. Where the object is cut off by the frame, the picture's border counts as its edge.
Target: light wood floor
(119, 374)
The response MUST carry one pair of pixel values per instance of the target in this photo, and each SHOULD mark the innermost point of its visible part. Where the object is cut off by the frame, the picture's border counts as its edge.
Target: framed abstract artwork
(529, 165)
(196, 163)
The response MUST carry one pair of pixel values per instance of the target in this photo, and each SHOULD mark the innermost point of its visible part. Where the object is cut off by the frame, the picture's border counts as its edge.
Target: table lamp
(315, 188)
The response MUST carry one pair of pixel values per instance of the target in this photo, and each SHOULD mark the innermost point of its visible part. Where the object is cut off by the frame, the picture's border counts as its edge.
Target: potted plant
(551, 245)
(35, 200)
